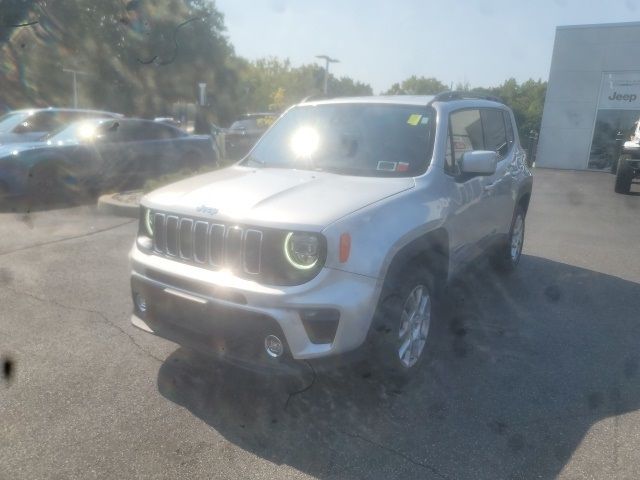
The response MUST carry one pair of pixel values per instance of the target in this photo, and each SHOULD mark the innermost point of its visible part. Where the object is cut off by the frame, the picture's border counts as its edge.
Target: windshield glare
(77, 132)
(352, 139)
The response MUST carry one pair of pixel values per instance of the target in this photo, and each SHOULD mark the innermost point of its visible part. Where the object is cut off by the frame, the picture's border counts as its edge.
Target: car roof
(128, 120)
(454, 99)
(418, 100)
(59, 109)
(123, 120)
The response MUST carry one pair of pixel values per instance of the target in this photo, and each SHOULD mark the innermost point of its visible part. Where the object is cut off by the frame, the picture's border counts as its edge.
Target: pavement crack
(395, 452)
(60, 240)
(94, 312)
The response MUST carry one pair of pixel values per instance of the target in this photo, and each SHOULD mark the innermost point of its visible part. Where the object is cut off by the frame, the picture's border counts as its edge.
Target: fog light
(273, 345)
(145, 243)
(141, 303)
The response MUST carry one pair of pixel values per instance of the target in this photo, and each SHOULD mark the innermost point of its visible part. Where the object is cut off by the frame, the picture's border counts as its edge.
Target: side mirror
(479, 162)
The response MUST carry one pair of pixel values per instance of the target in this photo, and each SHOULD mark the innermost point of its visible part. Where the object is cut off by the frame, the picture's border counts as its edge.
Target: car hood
(8, 138)
(280, 198)
(17, 148)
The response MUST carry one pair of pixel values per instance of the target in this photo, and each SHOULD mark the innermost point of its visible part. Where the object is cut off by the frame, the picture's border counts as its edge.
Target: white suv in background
(336, 228)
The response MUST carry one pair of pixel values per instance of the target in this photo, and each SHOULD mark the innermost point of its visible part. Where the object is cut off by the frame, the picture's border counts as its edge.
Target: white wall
(580, 55)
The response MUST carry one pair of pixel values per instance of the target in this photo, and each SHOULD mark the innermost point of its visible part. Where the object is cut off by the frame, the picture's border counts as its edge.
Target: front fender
(382, 229)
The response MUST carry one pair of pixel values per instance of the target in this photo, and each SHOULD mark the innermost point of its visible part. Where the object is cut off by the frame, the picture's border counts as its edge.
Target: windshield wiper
(341, 170)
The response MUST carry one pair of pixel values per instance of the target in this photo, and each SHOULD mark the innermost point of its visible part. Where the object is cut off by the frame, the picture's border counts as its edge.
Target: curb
(113, 204)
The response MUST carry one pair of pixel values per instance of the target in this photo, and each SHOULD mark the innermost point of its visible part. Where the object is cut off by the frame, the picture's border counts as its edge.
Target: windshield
(350, 138)
(11, 120)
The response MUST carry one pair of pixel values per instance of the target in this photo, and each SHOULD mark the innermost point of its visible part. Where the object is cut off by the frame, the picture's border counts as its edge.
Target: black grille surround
(247, 251)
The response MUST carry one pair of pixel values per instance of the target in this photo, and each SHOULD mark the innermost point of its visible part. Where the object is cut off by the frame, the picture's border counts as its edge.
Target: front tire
(402, 323)
(508, 253)
(624, 175)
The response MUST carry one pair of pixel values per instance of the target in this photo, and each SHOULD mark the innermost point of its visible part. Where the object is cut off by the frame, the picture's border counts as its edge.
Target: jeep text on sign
(620, 91)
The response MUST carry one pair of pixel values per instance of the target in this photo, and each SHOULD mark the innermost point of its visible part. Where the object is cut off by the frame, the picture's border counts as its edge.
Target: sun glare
(304, 142)
(86, 131)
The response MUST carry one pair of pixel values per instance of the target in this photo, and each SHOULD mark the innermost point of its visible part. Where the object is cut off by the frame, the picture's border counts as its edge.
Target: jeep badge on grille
(206, 210)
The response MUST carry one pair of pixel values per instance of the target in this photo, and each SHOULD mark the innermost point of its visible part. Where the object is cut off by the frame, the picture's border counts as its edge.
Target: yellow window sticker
(414, 119)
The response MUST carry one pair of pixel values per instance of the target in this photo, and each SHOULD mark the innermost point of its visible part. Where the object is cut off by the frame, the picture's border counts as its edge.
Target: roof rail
(448, 96)
(315, 96)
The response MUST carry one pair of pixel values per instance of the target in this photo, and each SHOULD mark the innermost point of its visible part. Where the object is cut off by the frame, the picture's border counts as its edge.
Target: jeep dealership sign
(620, 91)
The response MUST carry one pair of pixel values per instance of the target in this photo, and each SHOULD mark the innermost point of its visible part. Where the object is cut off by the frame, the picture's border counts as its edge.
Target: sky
(482, 42)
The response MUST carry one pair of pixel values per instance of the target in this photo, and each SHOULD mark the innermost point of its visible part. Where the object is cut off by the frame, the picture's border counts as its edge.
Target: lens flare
(87, 131)
(305, 142)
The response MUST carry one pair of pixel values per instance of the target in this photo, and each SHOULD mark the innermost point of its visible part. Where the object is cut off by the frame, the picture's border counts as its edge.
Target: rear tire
(624, 175)
(399, 335)
(507, 256)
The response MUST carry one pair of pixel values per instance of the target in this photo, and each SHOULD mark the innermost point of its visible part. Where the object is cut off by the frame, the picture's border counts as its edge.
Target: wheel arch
(524, 197)
(429, 250)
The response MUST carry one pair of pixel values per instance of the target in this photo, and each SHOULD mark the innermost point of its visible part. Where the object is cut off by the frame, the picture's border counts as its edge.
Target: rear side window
(495, 135)
(156, 131)
(509, 125)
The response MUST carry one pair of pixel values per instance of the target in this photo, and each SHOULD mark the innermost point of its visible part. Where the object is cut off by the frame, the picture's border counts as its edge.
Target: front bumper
(215, 310)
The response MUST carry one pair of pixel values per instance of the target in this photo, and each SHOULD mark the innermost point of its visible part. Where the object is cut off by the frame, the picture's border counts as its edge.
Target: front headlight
(148, 222)
(302, 250)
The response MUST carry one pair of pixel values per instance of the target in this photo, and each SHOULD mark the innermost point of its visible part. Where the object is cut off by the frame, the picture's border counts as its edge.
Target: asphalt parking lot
(536, 375)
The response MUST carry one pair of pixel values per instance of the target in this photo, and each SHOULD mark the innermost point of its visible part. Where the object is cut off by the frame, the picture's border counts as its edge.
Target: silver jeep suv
(336, 230)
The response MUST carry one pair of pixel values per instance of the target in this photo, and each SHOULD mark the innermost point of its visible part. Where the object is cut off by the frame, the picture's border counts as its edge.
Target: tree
(141, 57)
(417, 86)
(267, 79)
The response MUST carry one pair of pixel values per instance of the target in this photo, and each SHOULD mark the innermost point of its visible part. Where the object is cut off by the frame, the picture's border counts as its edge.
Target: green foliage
(417, 86)
(271, 84)
(140, 57)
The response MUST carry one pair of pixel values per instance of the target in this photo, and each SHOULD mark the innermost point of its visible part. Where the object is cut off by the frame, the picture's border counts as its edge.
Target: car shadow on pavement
(520, 369)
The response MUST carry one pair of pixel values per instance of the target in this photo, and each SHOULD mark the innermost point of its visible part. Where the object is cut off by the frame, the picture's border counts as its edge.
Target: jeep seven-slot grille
(208, 244)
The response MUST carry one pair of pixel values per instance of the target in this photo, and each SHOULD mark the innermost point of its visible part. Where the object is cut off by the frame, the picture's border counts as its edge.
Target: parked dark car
(101, 153)
(242, 135)
(32, 125)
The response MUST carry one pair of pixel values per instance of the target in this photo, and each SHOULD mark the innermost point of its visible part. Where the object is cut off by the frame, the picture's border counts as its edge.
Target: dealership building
(593, 95)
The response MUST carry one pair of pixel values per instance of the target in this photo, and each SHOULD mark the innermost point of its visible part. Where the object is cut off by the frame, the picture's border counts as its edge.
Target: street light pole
(327, 60)
(75, 83)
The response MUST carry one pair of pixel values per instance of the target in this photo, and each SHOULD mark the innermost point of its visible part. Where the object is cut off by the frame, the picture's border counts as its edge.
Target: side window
(495, 135)
(114, 131)
(465, 135)
(154, 131)
(509, 125)
(39, 122)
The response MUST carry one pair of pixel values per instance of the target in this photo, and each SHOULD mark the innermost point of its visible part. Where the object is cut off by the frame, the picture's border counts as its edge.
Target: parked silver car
(336, 230)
